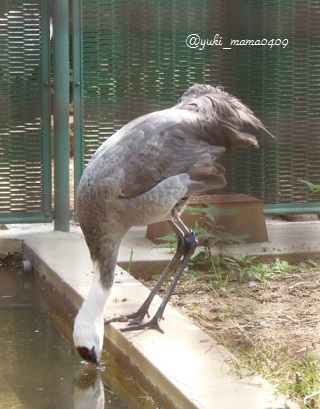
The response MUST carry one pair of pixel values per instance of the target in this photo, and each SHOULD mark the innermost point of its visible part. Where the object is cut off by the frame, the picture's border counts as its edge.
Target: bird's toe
(132, 319)
(151, 324)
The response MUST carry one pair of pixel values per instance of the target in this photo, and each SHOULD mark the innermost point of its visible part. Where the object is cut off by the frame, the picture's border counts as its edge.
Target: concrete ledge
(184, 367)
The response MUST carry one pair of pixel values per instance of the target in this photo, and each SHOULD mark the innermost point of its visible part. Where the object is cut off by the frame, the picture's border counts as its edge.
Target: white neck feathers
(89, 324)
(94, 304)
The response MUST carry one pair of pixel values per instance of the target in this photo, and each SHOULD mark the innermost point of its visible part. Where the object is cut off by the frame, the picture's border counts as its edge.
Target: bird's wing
(184, 139)
(155, 147)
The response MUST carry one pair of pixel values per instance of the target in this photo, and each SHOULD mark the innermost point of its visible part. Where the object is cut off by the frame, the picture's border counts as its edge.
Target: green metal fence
(25, 161)
(132, 58)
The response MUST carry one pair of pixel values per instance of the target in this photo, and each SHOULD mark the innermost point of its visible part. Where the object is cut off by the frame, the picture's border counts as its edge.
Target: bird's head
(88, 355)
(88, 337)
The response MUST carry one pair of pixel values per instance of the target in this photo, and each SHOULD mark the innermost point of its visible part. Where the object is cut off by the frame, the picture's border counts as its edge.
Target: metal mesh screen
(22, 147)
(136, 60)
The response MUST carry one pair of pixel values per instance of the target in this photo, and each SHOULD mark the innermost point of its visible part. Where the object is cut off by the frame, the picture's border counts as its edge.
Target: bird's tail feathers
(206, 165)
(204, 177)
(206, 183)
(234, 138)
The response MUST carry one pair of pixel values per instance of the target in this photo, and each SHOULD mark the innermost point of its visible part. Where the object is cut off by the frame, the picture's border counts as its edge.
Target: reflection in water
(88, 390)
(37, 369)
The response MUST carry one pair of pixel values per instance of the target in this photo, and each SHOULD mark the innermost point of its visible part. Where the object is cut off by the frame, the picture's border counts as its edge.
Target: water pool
(38, 369)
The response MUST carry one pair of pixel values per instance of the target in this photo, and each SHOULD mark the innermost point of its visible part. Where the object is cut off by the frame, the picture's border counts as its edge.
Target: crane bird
(143, 174)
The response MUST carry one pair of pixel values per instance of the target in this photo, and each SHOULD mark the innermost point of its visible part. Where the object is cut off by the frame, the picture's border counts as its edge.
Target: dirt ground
(273, 326)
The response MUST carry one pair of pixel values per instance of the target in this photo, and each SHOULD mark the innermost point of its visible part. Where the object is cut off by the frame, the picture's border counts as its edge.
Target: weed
(313, 188)
(261, 272)
(313, 263)
(306, 382)
(249, 268)
(212, 234)
(169, 241)
(130, 261)
(242, 261)
(218, 273)
(281, 267)
(229, 311)
(240, 266)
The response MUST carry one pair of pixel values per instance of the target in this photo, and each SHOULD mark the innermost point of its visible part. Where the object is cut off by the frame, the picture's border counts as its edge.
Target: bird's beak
(88, 355)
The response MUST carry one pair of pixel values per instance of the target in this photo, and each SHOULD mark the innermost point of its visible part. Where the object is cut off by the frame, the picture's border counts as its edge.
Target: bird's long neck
(94, 304)
(104, 253)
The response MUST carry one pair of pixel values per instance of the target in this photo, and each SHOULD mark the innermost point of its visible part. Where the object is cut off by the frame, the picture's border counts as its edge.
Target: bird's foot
(136, 326)
(134, 319)
(135, 323)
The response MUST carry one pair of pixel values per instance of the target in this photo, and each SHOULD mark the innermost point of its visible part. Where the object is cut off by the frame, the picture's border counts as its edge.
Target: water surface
(38, 369)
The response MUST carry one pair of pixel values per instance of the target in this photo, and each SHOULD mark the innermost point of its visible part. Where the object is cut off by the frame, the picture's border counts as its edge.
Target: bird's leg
(190, 243)
(138, 316)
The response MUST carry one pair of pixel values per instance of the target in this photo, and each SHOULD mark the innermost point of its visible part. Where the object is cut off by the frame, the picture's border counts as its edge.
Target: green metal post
(46, 110)
(77, 93)
(61, 114)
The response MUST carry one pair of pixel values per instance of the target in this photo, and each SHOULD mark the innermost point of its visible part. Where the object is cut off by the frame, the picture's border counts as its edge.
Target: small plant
(240, 266)
(218, 273)
(130, 261)
(261, 272)
(281, 267)
(212, 271)
(306, 382)
(313, 263)
(313, 188)
(170, 240)
(211, 234)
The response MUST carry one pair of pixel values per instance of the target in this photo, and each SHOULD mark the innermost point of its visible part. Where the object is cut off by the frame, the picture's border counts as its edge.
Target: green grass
(221, 271)
(298, 379)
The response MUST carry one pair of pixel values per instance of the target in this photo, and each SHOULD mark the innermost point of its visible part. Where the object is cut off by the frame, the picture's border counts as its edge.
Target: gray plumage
(146, 170)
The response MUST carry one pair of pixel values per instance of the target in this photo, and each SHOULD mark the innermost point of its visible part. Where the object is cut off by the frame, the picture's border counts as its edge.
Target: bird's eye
(87, 354)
